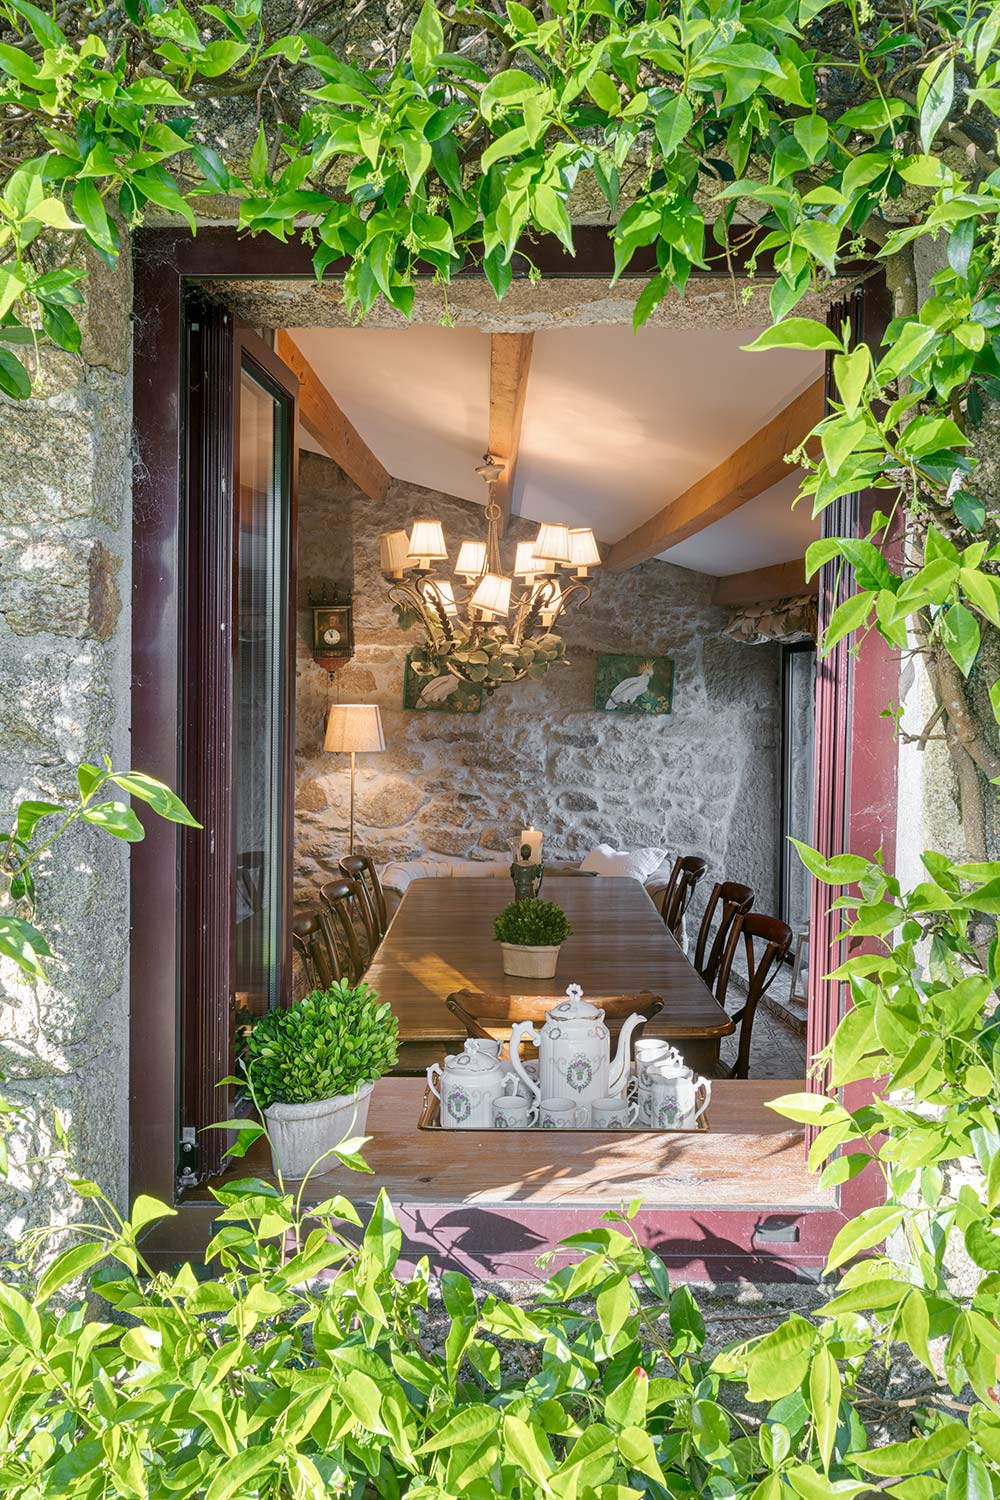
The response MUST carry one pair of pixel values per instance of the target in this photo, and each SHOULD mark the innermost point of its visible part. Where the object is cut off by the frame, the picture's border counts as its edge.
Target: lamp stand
(351, 850)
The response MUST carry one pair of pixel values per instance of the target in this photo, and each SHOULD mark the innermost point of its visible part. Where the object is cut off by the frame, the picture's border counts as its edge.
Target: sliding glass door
(798, 753)
(237, 691)
(263, 653)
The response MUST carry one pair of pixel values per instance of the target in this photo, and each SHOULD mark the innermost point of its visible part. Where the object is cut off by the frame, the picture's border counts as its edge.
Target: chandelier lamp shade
(484, 623)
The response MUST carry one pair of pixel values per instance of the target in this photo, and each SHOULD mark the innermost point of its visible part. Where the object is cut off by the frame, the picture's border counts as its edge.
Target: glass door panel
(798, 740)
(237, 707)
(260, 729)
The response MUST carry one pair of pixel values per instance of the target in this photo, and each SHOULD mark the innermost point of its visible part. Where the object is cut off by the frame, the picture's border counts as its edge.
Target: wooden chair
(773, 938)
(338, 916)
(310, 939)
(688, 870)
(494, 1015)
(371, 898)
(735, 900)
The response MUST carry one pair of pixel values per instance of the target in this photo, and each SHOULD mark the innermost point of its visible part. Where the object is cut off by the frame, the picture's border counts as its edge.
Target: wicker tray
(430, 1119)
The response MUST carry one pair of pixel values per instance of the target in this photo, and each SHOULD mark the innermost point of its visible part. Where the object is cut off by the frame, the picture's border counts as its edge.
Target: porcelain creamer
(467, 1085)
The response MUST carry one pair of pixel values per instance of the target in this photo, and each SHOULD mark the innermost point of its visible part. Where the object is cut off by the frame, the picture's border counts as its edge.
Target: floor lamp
(353, 727)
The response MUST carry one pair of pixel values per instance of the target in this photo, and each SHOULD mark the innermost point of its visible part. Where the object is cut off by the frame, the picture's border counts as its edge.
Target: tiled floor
(778, 1049)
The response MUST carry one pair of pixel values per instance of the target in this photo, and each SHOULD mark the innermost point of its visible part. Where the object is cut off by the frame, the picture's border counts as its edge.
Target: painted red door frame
(855, 796)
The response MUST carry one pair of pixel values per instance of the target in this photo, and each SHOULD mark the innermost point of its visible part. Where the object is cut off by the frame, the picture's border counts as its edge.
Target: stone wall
(703, 779)
(65, 522)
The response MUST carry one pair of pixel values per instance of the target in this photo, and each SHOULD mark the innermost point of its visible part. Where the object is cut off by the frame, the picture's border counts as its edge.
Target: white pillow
(633, 864)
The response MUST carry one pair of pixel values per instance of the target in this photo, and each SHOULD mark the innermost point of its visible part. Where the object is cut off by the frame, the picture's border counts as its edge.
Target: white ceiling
(616, 424)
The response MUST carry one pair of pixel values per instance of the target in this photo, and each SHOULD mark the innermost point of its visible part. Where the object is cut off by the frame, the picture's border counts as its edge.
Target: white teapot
(574, 1051)
(469, 1083)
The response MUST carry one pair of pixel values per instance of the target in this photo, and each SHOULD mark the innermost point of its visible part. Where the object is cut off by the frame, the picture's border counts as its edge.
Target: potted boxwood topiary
(530, 933)
(312, 1068)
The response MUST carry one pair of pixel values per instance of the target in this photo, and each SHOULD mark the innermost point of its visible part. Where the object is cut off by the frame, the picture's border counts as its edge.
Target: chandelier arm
(578, 586)
(409, 595)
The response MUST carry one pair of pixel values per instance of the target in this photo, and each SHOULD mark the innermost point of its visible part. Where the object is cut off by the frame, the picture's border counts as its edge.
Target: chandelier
(483, 625)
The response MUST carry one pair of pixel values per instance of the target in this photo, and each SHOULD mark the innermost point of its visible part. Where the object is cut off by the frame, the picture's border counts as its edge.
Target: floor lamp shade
(354, 726)
(357, 729)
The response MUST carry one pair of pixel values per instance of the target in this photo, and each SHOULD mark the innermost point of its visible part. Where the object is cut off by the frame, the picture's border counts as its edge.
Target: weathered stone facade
(702, 780)
(65, 526)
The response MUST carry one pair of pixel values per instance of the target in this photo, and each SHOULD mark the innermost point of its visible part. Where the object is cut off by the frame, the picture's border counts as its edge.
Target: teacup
(652, 1052)
(562, 1114)
(674, 1101)
(486, 1045)
(514, 1113)
(613, 1113)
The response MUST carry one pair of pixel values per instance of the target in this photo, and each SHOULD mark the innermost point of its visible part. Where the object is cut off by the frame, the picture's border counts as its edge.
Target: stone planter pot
(523, 962)
(302, 1133)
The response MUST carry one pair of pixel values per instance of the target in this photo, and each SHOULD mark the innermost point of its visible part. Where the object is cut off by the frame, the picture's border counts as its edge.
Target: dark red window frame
(856, 754)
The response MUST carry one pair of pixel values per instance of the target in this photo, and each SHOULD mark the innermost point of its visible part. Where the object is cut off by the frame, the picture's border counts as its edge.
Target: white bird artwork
(437, 690)
(631, 688)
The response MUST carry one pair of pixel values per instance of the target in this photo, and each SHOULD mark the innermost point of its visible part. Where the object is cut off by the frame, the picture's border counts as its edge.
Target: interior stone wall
(701, 780)
(65, 525)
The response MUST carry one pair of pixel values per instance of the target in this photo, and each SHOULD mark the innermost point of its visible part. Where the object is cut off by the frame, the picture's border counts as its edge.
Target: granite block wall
(703, 779)
(65, 526)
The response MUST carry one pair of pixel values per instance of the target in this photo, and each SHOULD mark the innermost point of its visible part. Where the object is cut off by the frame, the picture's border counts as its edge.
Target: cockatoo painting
(631, 688)
(437, 691)
(446, 694)
(634, 684)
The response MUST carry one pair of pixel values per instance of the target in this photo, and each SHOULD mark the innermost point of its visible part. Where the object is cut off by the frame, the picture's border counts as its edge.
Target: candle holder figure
(527, 879)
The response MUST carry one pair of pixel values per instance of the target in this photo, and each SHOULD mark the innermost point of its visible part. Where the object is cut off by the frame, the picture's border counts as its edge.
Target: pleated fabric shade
(354, 726)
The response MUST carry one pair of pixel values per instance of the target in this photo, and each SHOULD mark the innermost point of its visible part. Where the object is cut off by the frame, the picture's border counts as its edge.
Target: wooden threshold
(730, 1202)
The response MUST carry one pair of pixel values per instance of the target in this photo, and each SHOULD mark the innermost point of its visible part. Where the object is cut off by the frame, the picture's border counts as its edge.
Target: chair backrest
(340, 903)
(728, 901)
(766, 941)
(321, 959)
(371, 898)
(688, 870)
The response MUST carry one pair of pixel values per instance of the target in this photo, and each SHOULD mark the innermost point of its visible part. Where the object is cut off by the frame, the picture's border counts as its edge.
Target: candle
(530, 841)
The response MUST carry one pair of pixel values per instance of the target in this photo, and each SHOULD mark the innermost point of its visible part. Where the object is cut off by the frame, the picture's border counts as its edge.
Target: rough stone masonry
(65, 538)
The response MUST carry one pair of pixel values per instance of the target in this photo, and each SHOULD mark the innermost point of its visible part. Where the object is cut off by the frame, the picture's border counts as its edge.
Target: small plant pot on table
(530, 933)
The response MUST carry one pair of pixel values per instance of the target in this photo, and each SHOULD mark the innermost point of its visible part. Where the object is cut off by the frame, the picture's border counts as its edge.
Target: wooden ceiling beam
(756, 465)
(510, 362)
(761, 585)
(324, 421)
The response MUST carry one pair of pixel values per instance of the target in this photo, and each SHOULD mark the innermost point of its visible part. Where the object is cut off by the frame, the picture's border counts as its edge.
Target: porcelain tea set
(574, 1084)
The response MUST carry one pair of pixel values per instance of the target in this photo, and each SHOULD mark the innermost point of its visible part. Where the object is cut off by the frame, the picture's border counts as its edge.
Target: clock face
(331, 636)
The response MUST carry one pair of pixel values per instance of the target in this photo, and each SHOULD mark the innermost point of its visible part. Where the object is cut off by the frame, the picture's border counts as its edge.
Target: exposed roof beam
(759, 585)
(323, 420)
(510, 361)
(755, 466)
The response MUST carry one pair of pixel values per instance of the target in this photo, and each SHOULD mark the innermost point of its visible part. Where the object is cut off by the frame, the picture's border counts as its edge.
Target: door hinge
(187, 1159)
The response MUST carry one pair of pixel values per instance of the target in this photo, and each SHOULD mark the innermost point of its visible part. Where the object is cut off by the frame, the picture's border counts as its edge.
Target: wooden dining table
(440, 942)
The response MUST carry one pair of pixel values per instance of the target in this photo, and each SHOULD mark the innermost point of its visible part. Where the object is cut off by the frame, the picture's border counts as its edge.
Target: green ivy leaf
(960, 636)
(14, 378)
(117, 819)
(870, 1228)
(847, 617)
(797, 333)
(672, 124)
(426, 43)
(935, 94)
(969, 510)
(23, 943)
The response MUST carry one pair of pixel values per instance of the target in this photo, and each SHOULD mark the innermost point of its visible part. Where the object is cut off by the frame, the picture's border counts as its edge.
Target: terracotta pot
(302, 1133)
(521, 961)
